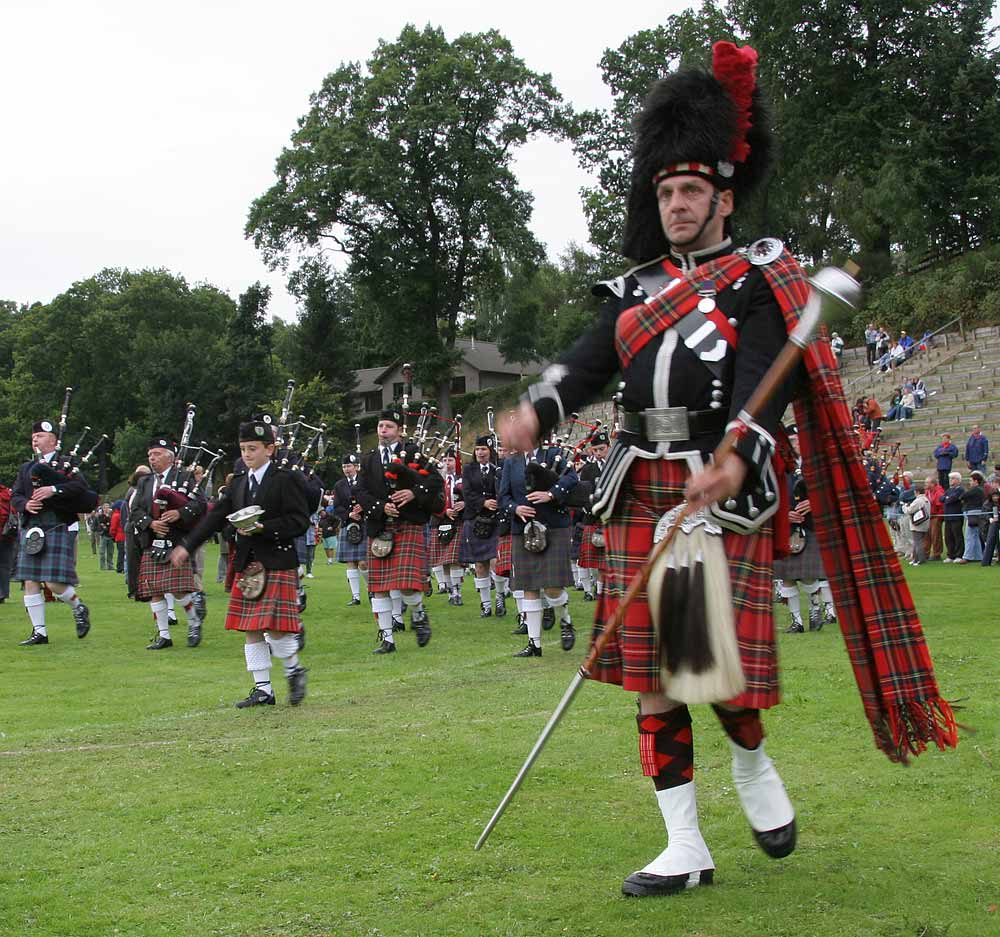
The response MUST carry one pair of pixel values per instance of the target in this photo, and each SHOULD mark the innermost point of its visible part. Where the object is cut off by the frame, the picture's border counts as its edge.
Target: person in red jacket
(935, 494)
(118, 535)
(7, 541)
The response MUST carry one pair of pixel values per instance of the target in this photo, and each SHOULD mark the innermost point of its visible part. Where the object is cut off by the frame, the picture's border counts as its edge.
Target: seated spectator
(972, 506)
(906, 407)
(919, 392)
(884, 361)
(953, 519)
(925, 341)
(897, 355)
(906, 343)
(894, 403)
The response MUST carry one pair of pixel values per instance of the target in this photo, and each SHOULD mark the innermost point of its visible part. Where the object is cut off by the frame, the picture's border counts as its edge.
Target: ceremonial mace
(831, 287)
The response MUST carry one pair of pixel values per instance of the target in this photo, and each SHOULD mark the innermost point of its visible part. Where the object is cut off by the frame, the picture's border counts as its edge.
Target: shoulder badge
(765, 251)
(615, 287)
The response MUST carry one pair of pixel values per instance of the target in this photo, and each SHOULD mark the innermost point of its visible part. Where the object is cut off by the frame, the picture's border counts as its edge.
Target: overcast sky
(137, 134)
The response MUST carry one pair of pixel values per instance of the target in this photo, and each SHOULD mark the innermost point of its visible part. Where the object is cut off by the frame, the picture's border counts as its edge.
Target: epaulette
(616, 287)
(764, 251)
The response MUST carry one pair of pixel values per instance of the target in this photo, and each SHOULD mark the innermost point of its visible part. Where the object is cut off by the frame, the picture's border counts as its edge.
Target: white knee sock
(69, 597)
(383, 608)
(414, 601)
(559, 602)
(285, 647)
(396, 597)
(519, 600)
(439, 575)
(258, 657)
(483, 585)
(159, 610)
(533, 611)
(824, 590)
(188, 606)
(501, 582)
(456, 578)
(34, 605)
(354, 581)
(599, 588)
(794, 603)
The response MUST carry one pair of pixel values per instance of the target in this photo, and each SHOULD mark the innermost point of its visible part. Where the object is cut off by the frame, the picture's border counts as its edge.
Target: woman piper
(264, 598)
(480, 484)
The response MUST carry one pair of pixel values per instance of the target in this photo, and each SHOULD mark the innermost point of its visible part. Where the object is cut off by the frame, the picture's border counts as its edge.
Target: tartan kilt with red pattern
(590, 556)
(652, 487)
(276, 610)
(503, 563)
(161, 578)
(444, 554)
(406, 566)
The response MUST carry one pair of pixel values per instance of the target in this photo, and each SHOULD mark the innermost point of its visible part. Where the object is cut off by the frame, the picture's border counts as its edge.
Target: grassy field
(135, 800)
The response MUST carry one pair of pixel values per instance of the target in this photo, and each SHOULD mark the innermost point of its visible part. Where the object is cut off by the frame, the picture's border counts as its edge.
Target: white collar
(688, 260)
(259, 473)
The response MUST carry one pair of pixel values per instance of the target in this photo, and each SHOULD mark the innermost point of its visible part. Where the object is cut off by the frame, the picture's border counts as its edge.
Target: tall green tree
(405, 166)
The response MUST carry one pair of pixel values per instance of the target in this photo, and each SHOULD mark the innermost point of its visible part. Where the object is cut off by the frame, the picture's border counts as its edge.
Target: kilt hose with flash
(406, 566)
(503, 563)
(161, 578)
(590, 556)
(276, 610)
(445, 554)
(652, 488)
(56, 563)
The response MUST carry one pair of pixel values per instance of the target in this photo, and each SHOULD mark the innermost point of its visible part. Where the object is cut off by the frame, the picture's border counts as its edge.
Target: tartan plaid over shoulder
(885, 643)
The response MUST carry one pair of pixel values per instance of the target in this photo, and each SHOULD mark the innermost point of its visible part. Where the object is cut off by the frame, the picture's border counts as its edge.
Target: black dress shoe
(297, 685)
(257, 697)
(354, 602)
(35, 638)
(159, 643)
(485, 610)
(422, 627)
(588, 596)
(548, 619)
(777, 843)
(386, 647)
(398, 624)
(194, 633)
(644, 885)
(795, 628)
(500, 606)
(81, 615)
(531, 650)
(457, 598)
(442, 590)
(567, 636)
(522, 624)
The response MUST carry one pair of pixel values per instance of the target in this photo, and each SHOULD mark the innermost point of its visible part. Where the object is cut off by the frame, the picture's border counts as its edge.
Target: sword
(830, 287)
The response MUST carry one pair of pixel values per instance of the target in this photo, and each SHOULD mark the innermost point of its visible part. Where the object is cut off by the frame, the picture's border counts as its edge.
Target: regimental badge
(765, 251)
(46, 426)
(259, 430)
(267, 418)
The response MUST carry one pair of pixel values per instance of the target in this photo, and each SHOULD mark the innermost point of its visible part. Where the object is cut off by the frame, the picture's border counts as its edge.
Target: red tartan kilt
(161, 578)
(630, 658)
(590, 556)
(406, 566)
(503, 563)
(445, 554)
(276, 610)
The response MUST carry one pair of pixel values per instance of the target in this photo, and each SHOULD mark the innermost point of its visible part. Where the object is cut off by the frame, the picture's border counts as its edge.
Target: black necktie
(253, 487)
(385, 456)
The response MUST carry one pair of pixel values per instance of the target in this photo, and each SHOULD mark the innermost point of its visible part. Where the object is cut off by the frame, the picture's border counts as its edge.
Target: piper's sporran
(353, 533)
(381, 546)
(536, 537)
(253, 580)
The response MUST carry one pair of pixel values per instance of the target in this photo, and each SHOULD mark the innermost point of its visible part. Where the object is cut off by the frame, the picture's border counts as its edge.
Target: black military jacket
(61, 508)
(478, 487)
(141, 512)
(285, 517)
(344, 496)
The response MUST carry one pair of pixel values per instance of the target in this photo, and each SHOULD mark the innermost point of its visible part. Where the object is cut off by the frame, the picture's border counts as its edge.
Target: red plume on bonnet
(736, 70)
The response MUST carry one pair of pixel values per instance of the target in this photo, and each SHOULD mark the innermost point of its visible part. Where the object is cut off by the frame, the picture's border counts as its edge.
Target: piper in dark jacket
(398, 495)
(153, 531)
(267, 549)
(480, 490)
(52, 509)
(347, 510)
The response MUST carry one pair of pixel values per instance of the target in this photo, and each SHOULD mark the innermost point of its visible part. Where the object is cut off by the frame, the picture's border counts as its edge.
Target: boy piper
(264, 598)
(692, 330)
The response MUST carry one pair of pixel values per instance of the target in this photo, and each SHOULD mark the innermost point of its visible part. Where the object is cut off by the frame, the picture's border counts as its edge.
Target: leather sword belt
(673, 424)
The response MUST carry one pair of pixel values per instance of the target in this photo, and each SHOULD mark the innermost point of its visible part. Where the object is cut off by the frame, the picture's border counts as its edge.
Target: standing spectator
(8, 537)
(107, 556)
(95, 535)
(311, 545)
(884, 342)
(992, 518)
(871, 343)
(945, 452)
(837, 344)
(918, 513)
(972, 507)
(117, 533)
(328, 527)
(874, 413)
(953, 520)
(935, 495)
(977, 450)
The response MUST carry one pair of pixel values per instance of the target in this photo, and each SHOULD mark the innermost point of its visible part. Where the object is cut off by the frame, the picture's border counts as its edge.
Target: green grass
(135, 800)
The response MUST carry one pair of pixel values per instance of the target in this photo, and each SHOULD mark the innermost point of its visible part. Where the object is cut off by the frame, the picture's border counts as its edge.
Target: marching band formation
(671, 521)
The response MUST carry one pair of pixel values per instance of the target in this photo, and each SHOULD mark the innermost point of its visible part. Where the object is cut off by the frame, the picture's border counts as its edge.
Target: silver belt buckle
(666, 424)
